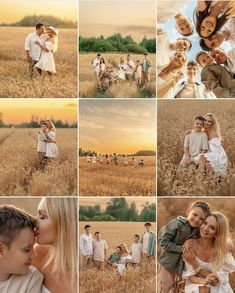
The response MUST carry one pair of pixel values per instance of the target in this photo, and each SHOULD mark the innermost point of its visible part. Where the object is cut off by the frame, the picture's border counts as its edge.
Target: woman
(216, 158)
(125, 259)
(210, 16)
(51, 147)
(170, 75)
(122, 68)
(56, 247)
(46, 61)
(211, 253)
(102, 69)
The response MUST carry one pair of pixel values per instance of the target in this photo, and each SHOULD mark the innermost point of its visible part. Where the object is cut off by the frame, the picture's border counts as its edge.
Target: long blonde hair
(215, 125)
(64, 214)
(222, 242)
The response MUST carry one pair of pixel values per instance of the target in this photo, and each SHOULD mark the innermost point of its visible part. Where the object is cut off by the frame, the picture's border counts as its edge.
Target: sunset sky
(122, 126)
(21, 110)
(14, 10)
(135, 18)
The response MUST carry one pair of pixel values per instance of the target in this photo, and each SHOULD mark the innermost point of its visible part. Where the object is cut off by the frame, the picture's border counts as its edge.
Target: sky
(64, 9)
(121, 126)
(135, 18)
(140, 202)
(21, 110)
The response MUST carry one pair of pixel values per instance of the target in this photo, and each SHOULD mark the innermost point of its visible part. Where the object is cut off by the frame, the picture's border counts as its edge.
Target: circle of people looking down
(114, 159)
(106, 75)
(95, 251)
(214, 22)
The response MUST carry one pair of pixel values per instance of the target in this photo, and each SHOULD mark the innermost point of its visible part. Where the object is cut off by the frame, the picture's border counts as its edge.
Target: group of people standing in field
(94, 250)
(114, 159)
(214, 23)
(106, 75)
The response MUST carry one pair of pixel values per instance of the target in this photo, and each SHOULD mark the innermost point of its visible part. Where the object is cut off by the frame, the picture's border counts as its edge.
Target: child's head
(204, 58)
(118, 249)
(198, 123)
(136, 238)
(197, 212)
(148, 226)
(17, 238)
(43, 126)
(97, 235)
(137, 62)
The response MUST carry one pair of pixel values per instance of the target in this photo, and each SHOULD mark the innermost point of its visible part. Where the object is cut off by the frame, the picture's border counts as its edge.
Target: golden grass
(111, 180)
(174, 119)
(87, 83)
(19, 174)
(137, 279)
(15, 80)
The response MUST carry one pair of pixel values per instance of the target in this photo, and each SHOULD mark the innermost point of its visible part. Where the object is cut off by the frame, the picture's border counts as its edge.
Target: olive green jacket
(171, 238)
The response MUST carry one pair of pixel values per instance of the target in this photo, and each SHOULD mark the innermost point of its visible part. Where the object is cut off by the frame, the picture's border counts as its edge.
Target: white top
(121, 71)
(46, 61)
(130, 66)
(86, 244)
(45, 290)
(41, 145)
(34, 50)
(146, 242)
(166, 10)
(135, 250)
(29, 283)
(96, 65)
(98, 249)
(102, 67)
(51, 148)
(223, 274)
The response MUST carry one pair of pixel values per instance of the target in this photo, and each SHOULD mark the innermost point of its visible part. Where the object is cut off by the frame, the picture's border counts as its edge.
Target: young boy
(115, 257)
(172, 237)
(148, 241)
(99, 251)
(17, 238)
(136, 250)
(41, 145)
(195, 143)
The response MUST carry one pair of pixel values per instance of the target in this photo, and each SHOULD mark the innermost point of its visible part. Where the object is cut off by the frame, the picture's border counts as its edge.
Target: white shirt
(96, 65)
(86, 244)
(146, 242)
(135, 250)
(34, 50)
(130, 66)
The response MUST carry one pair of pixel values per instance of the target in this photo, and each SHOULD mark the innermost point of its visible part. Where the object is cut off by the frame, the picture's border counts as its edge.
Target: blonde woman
(215, 159)
(170, 75)
(211, 252)
(56, 247)
(125, 259)
(51, 147)
(122, 68)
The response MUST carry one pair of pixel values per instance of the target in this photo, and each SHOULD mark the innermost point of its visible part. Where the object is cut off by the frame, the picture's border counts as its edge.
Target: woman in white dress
(211, 252)
(51, 147)
(46, 61)
(215, 159)
(56, 247)
(122, 68)
(125, 259)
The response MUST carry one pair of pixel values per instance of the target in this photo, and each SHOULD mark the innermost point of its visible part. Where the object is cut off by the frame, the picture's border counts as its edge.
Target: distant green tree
(148, 213)
(117, 207)
(103, 218)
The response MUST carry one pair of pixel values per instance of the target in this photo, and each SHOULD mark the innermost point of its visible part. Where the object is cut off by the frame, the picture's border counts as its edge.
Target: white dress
(46, 61)
(121, 267)
(217, 156)
(223, 275)
(121, 71)
(45, 290)
(51, 148)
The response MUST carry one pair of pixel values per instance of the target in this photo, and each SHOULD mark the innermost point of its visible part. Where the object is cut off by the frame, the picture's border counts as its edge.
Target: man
(190, 89)
(225, 59)
(215, 77)
(130, 66)
(86, 247)
(96, 67)
(99, 251)
(146, 69)
(148, 241)
(33, 51)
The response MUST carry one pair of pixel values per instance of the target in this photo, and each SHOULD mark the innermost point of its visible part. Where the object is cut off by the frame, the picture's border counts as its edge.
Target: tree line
(116, 43)
(84, 153)
(118, 209)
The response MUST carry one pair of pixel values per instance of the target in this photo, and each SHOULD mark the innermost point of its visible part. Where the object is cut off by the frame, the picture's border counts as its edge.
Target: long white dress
(217, 156)
(51, 148)
(46, 61)
(45, 290)
(223, 275)
(121, 71)
(121, 267)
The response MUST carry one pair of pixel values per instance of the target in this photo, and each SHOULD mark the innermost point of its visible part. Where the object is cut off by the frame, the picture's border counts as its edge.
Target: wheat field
(15, 82)
(124, 89)
(174, 119)
(137, 280)
(112, 180)
(19, 172)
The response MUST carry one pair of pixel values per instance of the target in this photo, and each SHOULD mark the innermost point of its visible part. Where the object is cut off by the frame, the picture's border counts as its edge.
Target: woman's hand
(211, 279)
(188, 254)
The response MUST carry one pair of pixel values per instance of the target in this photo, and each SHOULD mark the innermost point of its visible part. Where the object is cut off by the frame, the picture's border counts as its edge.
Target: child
(41, 145)
(136, 250)
(172, 237)
(141, 163)
(195, 143)
(115, 257)
(137, 71)
(99, 251)
(135, 162)
(17, 238)
(115, 159)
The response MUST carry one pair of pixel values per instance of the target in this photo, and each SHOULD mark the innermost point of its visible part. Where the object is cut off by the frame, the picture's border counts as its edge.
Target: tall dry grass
(124, 89)
(15, 82)
(174, 119)
(111, 180)
(19, 170)
(138, 280)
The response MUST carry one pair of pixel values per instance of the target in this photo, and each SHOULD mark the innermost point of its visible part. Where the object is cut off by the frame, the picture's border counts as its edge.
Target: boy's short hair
(118, 247)
(199, 117)
(43, 123)
(39, 25)
(147, 224)
(203, 205)
(137, 236)
(192, 63)
(87, 226)
(98, 55)
(12, 221)
(203, 45)
(97, 232)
